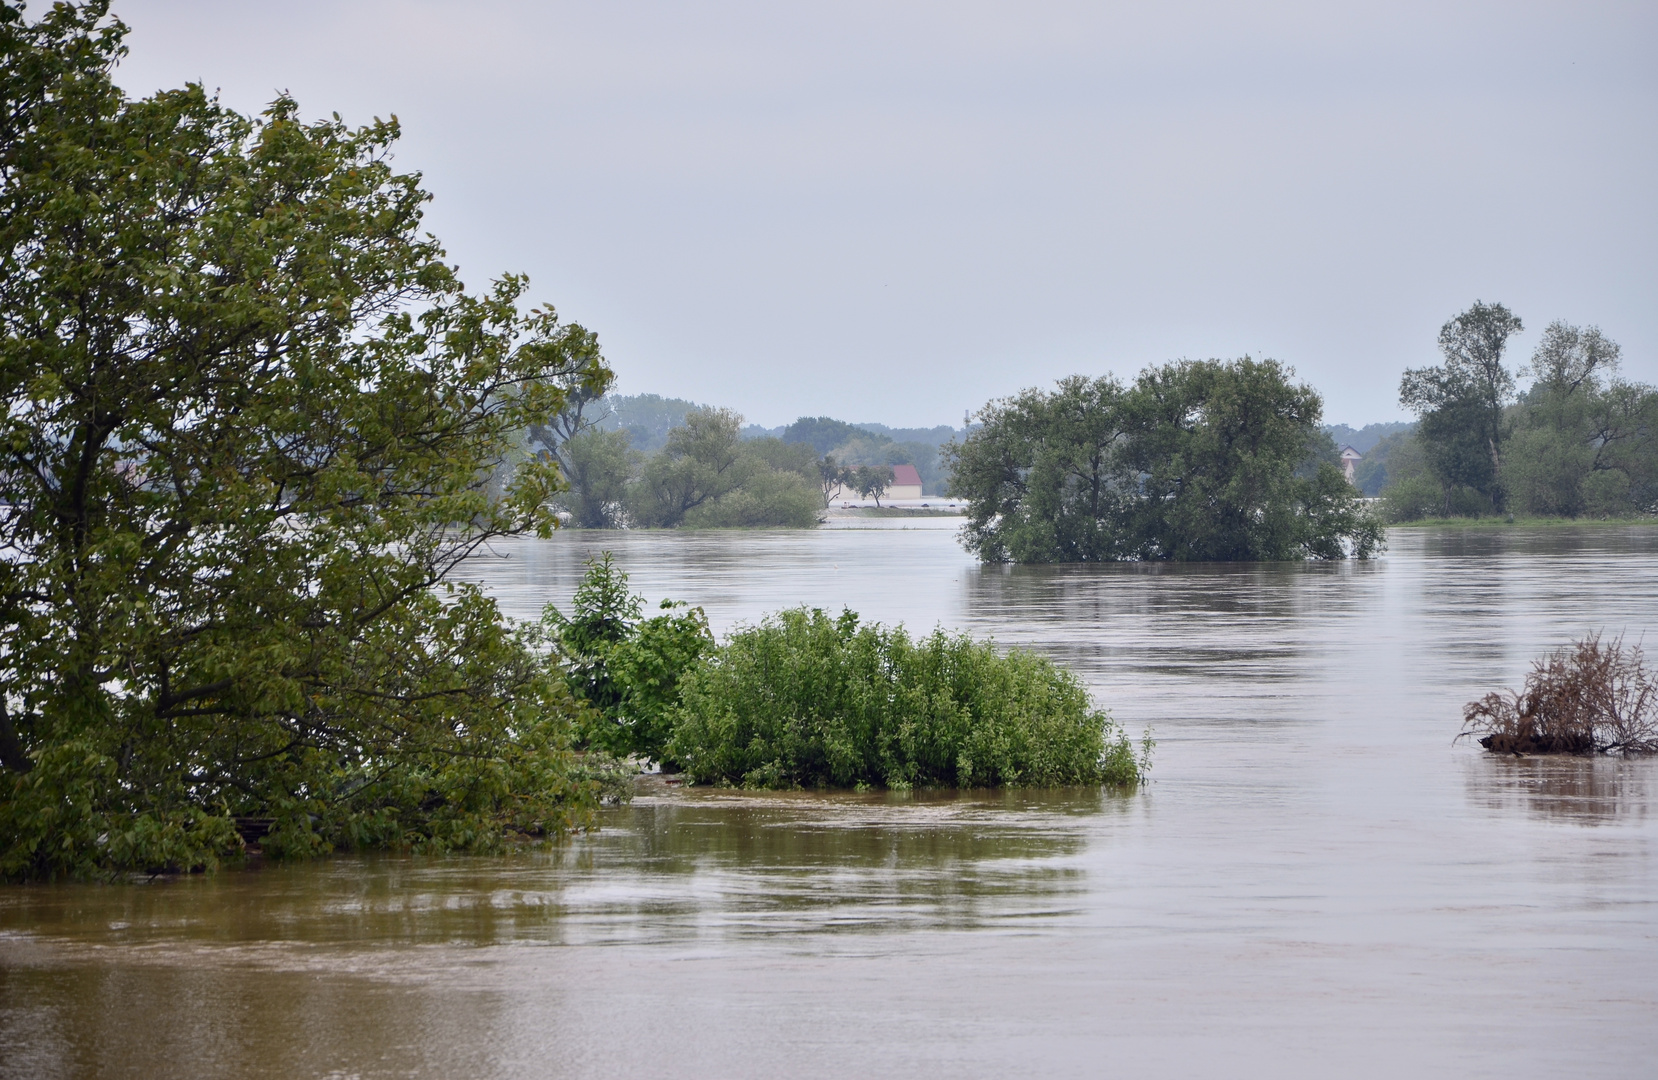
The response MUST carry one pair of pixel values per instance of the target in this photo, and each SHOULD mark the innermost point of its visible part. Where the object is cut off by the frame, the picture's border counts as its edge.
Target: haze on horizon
(895, 211)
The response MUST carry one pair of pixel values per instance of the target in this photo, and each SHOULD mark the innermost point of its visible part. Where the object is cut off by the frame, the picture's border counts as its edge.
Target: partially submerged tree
(708, 476)
(598, 466)
(583, 411)
(1201, 460)
(1588, 697)
(697, 465)
(806, 700)
(251, 417)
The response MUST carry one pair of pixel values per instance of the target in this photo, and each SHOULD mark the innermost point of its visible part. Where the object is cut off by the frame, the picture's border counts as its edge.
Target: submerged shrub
(805, 700)
(1585, 697)
(625, 668)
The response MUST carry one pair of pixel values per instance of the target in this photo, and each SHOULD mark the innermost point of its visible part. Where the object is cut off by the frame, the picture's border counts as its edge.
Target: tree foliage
(1461, 402)
(1197, 460)
(1585, 440)
(805, 700)
(871, 481)
(250, 420)
(1580, 441)
(598, 465)
(626, 668)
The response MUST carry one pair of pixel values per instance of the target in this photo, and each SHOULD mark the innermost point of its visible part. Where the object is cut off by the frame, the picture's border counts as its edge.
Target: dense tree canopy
(1461, 402)
(1585, 440)
(1197, 460)
(1579, 441)
(250, 419)
(822, 433)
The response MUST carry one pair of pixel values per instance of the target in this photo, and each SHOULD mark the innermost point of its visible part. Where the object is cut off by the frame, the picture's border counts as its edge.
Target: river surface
(1317, 882)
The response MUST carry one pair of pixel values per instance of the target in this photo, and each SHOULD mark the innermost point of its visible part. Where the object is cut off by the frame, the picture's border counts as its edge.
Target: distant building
(1350, 458)
(906, 484)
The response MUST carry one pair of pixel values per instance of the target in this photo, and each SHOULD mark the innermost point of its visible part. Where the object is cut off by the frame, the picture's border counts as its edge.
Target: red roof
(905, 475)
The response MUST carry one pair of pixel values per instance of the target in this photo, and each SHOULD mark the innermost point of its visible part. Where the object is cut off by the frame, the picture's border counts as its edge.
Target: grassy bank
(1520, 522)
(895, 511)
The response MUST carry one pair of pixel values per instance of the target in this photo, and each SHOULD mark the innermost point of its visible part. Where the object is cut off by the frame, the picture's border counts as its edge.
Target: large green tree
(598, 465)
(1461, 402)
(708, 476)
(697, 466)
(1585, 441)
(1198, 460)
(251, 417)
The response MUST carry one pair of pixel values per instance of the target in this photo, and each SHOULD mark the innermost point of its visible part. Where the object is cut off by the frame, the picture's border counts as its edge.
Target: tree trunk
(12, 755)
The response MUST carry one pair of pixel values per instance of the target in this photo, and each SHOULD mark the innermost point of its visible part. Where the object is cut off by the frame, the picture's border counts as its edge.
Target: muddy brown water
(1317, 882)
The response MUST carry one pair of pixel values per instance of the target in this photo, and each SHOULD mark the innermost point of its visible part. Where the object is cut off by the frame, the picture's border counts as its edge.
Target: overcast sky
(896, 211)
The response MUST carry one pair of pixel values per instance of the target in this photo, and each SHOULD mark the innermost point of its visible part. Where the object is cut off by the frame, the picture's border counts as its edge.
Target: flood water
(1317, 881)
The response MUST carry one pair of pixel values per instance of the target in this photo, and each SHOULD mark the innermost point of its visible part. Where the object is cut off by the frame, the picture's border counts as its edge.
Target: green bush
(804, 700)
(1412, 499)
(626, 669)
(768, 498)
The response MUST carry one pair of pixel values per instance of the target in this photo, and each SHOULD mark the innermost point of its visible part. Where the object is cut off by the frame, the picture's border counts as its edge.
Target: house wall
(897, 491)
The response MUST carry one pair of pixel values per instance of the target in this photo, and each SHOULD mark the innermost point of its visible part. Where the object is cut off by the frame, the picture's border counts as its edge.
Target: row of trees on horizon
(653, 462)
(1577, 440)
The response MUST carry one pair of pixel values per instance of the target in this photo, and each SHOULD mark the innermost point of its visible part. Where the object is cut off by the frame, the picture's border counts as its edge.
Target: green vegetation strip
(809, 700)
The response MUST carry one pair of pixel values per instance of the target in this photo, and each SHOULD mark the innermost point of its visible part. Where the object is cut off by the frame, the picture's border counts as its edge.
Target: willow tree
(251, 419)
(1195, 461)
(1462, 402)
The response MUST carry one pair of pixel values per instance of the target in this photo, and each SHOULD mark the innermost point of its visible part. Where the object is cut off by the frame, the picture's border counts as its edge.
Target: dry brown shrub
(1586, 697)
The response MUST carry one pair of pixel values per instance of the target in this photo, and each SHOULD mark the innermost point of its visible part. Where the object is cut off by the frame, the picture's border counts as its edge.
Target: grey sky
(895, 211)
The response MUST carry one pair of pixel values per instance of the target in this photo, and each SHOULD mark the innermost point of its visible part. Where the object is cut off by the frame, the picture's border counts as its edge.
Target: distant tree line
(651, 462)
(1580, 441)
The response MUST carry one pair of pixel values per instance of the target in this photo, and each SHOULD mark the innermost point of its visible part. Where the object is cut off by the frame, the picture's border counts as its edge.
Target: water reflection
(1314, 870)
(670, 866)
(1597, 790)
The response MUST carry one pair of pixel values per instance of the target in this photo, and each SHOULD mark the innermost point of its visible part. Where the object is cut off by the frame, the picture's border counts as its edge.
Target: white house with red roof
(906, 484)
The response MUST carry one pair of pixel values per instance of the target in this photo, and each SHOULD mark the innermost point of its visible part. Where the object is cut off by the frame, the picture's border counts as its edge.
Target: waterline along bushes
(806, 700)
(1586, 697)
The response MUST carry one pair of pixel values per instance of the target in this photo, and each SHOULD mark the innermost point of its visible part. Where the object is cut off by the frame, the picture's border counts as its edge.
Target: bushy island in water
(806, 699)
